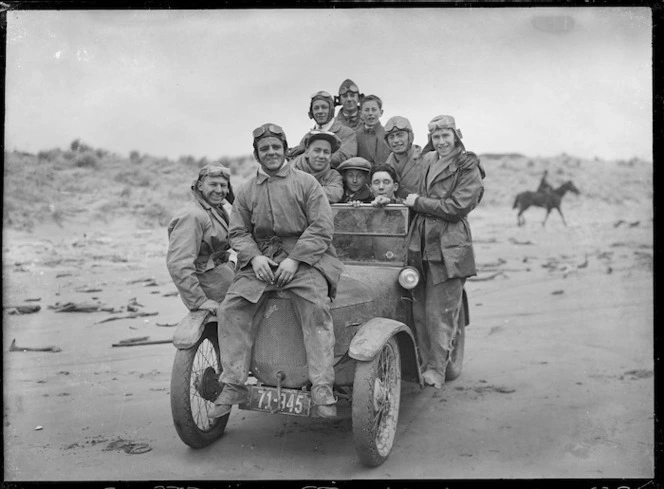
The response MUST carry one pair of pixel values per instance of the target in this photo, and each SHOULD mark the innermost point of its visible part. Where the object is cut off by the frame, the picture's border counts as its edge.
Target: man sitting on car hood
(281, 228)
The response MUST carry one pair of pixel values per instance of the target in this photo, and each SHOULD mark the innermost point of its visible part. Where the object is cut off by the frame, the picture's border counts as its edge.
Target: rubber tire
(183, 392)
(455, 365)
(372, 451)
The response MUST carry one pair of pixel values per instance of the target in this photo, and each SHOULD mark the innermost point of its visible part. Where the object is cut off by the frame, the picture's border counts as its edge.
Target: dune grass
(87, 184)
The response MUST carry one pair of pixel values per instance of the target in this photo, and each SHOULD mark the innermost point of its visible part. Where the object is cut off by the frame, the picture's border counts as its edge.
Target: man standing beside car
(405, 156)
(440, 243)
(198, 245)
(282, 228)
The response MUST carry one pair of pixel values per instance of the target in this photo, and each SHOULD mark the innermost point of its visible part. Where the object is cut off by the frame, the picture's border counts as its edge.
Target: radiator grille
(279, 345)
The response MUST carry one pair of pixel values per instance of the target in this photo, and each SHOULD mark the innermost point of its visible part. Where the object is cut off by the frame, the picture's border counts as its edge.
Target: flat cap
(355, 163)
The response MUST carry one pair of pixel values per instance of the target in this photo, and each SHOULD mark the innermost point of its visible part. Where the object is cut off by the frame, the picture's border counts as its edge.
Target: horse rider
(544, 186)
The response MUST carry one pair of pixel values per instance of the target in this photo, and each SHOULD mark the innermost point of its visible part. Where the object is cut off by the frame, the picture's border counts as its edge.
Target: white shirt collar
(260, 168)
(326, 127)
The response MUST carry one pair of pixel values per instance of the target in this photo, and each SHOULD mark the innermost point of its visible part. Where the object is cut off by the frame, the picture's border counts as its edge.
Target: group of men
(281, 228)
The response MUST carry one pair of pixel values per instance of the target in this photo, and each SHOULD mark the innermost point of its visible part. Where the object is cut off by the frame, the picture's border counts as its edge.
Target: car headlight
(409, 277)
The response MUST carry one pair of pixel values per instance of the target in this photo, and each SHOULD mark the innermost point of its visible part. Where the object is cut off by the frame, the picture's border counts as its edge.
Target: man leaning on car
(281, 228)
(198, 247)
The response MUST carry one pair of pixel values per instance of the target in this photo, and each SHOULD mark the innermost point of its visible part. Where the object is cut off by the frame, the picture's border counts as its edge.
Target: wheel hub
(207, 385)
(380, 394)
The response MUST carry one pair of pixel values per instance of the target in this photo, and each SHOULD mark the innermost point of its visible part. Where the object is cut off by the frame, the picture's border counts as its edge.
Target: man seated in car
(281, 228)
(316, 161)
(384, 185)
(355, 173)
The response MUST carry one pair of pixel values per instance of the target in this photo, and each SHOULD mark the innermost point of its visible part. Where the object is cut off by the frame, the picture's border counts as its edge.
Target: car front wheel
(376, 396)
(194, 388)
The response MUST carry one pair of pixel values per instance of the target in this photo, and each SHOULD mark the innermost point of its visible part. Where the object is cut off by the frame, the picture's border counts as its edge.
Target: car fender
(190, 329)
(372, 336)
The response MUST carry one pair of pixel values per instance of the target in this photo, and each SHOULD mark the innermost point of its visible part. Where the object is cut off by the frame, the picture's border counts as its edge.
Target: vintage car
(375, 346)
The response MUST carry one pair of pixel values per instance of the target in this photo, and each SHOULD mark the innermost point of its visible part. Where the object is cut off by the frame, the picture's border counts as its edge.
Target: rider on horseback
(545, 186)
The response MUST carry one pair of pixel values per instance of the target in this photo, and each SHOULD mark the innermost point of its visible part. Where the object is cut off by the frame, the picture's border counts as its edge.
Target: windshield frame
(365, 209)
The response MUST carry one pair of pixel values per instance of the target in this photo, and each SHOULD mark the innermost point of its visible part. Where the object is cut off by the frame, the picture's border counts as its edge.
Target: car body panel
(372, 336)
(375, 333)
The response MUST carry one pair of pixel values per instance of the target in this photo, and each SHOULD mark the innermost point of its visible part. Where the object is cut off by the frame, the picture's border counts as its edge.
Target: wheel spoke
(204, 358)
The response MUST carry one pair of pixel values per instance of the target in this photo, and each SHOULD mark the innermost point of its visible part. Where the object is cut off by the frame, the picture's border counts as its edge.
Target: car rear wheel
(456, 356)
(194, 387)
(376, 396)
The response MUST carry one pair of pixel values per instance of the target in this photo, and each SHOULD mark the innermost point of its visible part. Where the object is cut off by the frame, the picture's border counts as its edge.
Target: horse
(548, 200)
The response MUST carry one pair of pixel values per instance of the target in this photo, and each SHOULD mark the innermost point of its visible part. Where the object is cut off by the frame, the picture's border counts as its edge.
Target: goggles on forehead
(398, 125)
(271, 128)
(322, 93)
(215, 171)
(352, 88)
(443, 123)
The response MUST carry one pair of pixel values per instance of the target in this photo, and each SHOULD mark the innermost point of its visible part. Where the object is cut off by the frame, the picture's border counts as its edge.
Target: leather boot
(231, 394)
(328, 411)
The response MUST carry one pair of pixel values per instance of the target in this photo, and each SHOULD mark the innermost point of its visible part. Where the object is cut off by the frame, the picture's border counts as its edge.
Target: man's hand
(380, 201)
(210, 306)
(261, 265)
(286, 271)
(410, 200)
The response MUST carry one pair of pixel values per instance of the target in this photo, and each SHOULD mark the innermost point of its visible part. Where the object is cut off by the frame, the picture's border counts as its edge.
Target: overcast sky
(538, 81)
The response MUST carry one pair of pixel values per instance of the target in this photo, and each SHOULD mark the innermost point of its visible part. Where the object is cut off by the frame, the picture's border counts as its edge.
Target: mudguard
(191, 328)
(372, 336)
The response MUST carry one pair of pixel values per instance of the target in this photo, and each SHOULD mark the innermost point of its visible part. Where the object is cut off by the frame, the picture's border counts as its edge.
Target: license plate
(291, 401)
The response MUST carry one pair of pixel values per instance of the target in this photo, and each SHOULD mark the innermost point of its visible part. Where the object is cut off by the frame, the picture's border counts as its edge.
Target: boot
(433, 378)
(231, 394)
(327, 411)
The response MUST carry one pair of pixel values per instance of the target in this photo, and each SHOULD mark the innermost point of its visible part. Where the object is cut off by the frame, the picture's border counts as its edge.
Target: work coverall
(329, 179)
(371, 144)
(353, 121)
(198, 252)
(440, 245)
(280, 216)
